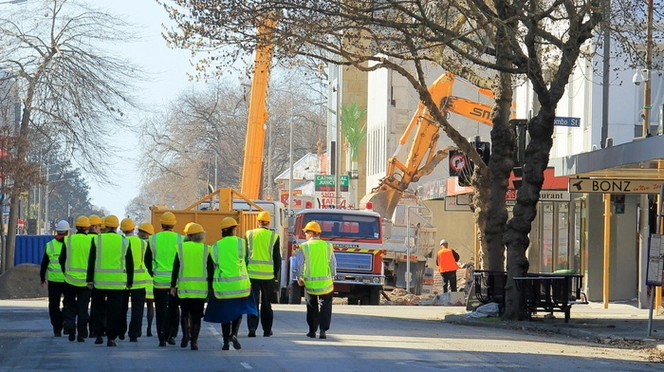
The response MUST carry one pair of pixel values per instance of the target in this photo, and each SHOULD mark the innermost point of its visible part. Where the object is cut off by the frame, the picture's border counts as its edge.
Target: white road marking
(246, 365)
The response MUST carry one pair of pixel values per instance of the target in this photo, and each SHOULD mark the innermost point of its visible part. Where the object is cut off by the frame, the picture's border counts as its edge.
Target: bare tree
(180, 145)
(70, 84)
(494, 44)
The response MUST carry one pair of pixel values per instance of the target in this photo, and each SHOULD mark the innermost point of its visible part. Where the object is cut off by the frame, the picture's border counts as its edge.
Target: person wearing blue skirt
(231, 287)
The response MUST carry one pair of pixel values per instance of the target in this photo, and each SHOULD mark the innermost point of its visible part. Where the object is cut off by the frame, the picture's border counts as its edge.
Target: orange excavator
(423, 156)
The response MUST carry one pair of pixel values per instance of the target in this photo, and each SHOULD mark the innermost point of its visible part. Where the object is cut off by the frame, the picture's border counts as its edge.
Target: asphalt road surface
(362, 338)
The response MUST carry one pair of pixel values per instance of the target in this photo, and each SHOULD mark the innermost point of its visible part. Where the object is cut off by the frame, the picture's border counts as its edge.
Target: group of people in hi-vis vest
(179, 273)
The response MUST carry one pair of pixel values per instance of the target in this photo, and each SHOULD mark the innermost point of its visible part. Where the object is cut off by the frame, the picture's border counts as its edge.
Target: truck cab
(357, 237)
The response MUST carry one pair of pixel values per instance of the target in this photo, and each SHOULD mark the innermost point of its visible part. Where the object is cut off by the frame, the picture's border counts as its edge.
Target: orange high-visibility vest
(446, 261)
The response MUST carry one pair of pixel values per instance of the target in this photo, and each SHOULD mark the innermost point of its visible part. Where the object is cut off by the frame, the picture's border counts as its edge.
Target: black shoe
(57, 334)
(311, 334)
(149, 334)
(225, 347)
(65, 331)
(267, 334)
(171, 341)
(162, 343)
(322, 334)
(80, 339)
(72, 336)
(252, 334)
(121, 337)
(111, 343)
(133, 339)
(236, 343)
(99, 340)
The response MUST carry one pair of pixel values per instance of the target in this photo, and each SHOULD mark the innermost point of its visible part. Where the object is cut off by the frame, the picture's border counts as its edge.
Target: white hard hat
(443, 242)
(62, 226)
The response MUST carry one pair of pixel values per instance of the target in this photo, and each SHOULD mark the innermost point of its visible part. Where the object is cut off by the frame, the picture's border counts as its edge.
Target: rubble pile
(21, 281)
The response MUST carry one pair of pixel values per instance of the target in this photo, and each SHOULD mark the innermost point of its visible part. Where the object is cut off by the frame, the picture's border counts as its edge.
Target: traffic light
(618, 203)
(462, 167)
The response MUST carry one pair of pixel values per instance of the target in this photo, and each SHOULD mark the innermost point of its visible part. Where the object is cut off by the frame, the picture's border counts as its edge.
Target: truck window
(346, 226)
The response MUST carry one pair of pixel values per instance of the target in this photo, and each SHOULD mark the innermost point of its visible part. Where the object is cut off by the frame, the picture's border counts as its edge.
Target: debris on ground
(21, 281)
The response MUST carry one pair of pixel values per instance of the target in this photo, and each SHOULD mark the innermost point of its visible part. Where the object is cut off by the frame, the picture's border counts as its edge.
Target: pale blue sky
(168, 77)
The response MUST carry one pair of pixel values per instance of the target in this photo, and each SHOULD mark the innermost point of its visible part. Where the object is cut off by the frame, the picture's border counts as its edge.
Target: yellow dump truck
(212, 208)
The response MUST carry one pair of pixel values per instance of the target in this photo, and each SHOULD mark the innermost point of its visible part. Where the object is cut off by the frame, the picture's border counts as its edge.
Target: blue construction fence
(30, 248)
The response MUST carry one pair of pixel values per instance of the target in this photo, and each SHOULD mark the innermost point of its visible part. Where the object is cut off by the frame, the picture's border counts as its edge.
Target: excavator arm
(423, 156)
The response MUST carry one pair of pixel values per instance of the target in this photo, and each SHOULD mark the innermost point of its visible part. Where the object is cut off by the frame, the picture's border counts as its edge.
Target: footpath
(621, 324)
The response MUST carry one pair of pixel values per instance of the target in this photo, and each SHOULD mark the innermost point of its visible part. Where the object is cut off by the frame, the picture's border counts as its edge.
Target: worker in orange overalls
(446, 260)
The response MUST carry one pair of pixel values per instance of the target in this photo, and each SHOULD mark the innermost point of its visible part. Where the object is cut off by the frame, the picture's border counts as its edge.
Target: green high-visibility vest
(192, 278)
(141, 275)
(54, 271)
(230, 273)
(76, 264)
(110, 270)
(317, 273)
(164, 246)
(261, 262)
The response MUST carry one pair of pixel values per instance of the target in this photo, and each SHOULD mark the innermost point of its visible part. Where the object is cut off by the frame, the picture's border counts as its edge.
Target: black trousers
(166, 312)
(192, 308)
(55, 292)
(451, 278)
(319, 311)
(137, 308)
(75, 312)
(261, 290)
(107, 304)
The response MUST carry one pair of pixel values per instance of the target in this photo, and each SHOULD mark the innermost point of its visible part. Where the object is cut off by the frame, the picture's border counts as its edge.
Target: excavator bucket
(384, 202)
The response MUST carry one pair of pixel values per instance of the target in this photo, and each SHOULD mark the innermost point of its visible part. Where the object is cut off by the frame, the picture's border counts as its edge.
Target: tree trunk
(10, 246)
(516, 238)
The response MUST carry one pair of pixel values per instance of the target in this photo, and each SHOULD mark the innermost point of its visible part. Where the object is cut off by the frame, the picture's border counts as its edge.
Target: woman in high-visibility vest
(230, 284)
(145, 230)
(192, 271)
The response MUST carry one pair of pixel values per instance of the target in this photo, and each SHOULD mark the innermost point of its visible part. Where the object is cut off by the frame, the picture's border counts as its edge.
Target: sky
(168, 77)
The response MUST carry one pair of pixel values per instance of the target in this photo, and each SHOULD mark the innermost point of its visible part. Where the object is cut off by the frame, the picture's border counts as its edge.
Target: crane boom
(423, 156)
(252, 169)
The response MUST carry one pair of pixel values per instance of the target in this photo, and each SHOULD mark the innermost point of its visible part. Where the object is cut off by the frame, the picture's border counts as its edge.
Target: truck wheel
(295, 294)
(374, 295)
(283, 296)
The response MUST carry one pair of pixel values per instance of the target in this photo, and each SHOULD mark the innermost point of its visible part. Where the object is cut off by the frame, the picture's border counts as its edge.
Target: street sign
(326, 182)
(614, 186)
(567, 122)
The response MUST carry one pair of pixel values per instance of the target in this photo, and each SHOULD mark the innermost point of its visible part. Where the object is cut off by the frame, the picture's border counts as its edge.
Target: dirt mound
(21, 281)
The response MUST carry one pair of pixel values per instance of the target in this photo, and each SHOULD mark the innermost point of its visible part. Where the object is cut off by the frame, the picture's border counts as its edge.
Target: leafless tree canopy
(72, 86)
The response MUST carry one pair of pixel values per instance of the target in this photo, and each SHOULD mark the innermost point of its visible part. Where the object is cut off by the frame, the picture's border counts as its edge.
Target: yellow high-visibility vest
(261, 261)
(141, 276)
(192, 278)
(317, 273)
(164, 246)
(76, 264)
(54, 271)
(230, 275)
(110, 270)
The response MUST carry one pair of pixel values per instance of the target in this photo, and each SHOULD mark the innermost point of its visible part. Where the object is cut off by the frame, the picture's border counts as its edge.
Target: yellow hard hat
(263, 216)
(127, 224)
(146, 227)
(111, 221)
(83, 222)
(95, 220)
(194, 228)
(168, 218)
(187, 226)
(228, 222)
(312, 226)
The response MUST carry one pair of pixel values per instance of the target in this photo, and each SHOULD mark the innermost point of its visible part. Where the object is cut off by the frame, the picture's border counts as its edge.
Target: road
(362, 338)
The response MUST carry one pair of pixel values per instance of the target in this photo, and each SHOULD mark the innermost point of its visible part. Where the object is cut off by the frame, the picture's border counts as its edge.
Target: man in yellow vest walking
(263, 268)
(140, 254)
(164, 245)
(113, 274)
(75, 261)
(52, 277)
(315, 267)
